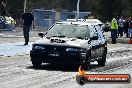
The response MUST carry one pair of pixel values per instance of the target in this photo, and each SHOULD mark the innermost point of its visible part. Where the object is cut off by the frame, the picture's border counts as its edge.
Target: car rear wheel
(36, 63)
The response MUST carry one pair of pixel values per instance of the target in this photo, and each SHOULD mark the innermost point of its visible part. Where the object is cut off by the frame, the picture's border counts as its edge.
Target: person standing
(130, 28)
(126, 27)
(121, 26)
(114, 29)
(27, 18)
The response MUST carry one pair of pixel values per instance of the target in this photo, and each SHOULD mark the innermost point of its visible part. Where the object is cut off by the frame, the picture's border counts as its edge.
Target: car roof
(77, 23)
(86, 20)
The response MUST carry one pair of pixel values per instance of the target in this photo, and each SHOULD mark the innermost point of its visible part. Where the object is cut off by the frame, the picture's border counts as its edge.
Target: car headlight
(75, 49)
(36, 47)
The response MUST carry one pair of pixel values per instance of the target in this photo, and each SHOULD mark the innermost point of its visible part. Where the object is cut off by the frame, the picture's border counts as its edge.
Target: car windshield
(69, 30)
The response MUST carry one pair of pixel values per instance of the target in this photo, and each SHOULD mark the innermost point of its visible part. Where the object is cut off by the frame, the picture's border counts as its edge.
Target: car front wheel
(87, 60)
(102, 61)
(36, 63)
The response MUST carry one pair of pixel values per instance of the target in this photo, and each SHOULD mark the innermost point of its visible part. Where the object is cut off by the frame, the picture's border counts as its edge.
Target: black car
(70, 43)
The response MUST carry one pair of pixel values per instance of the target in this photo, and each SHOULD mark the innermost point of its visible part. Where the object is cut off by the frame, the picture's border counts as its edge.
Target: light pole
(25, 3)
(77, 10)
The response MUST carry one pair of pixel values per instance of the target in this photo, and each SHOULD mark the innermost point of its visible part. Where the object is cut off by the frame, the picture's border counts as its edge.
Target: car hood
(63, 42)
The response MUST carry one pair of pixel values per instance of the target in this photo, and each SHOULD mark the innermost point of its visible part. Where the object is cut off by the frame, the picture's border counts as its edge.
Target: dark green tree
(99, 8)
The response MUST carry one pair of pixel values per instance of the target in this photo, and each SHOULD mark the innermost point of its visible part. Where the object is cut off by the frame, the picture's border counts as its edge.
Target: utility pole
(25, 5)
(77, 10)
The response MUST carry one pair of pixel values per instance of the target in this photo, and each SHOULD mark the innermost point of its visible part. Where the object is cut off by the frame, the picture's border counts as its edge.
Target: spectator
(126, 26)
(114, 29)
(27, 22)
(130, 28)
(121, 27)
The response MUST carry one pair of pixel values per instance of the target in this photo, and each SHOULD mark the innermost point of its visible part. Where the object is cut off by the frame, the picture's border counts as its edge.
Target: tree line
(99, 8)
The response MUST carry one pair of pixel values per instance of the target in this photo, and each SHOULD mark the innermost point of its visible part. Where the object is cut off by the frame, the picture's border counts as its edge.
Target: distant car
(9, 23)
(70, 43)
(10, 20)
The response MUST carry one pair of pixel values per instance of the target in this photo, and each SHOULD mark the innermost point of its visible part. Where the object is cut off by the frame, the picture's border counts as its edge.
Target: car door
(102, 42)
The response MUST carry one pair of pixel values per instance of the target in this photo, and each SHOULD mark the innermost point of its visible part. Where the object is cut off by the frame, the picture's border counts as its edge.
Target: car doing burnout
(70, 43)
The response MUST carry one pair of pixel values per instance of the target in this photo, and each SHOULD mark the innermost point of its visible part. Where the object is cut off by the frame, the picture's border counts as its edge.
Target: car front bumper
(58, 57)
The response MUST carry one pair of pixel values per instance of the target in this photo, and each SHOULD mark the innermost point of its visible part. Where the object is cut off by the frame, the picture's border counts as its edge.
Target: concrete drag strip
(11, 49)
(19, 73)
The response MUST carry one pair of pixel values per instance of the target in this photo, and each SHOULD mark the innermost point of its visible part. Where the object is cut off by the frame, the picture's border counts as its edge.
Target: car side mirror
(93, 38)
(103, 31)
(41, 35)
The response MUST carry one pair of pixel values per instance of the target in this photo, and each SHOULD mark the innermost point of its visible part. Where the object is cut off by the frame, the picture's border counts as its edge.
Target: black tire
(102, 61)
(36, 63)
(87, 61)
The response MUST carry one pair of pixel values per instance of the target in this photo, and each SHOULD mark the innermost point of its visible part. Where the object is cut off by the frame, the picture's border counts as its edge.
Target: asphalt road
(17, 71)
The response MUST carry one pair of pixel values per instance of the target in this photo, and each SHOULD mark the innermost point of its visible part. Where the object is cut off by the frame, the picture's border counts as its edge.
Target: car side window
(100, 33)
(93, 32)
